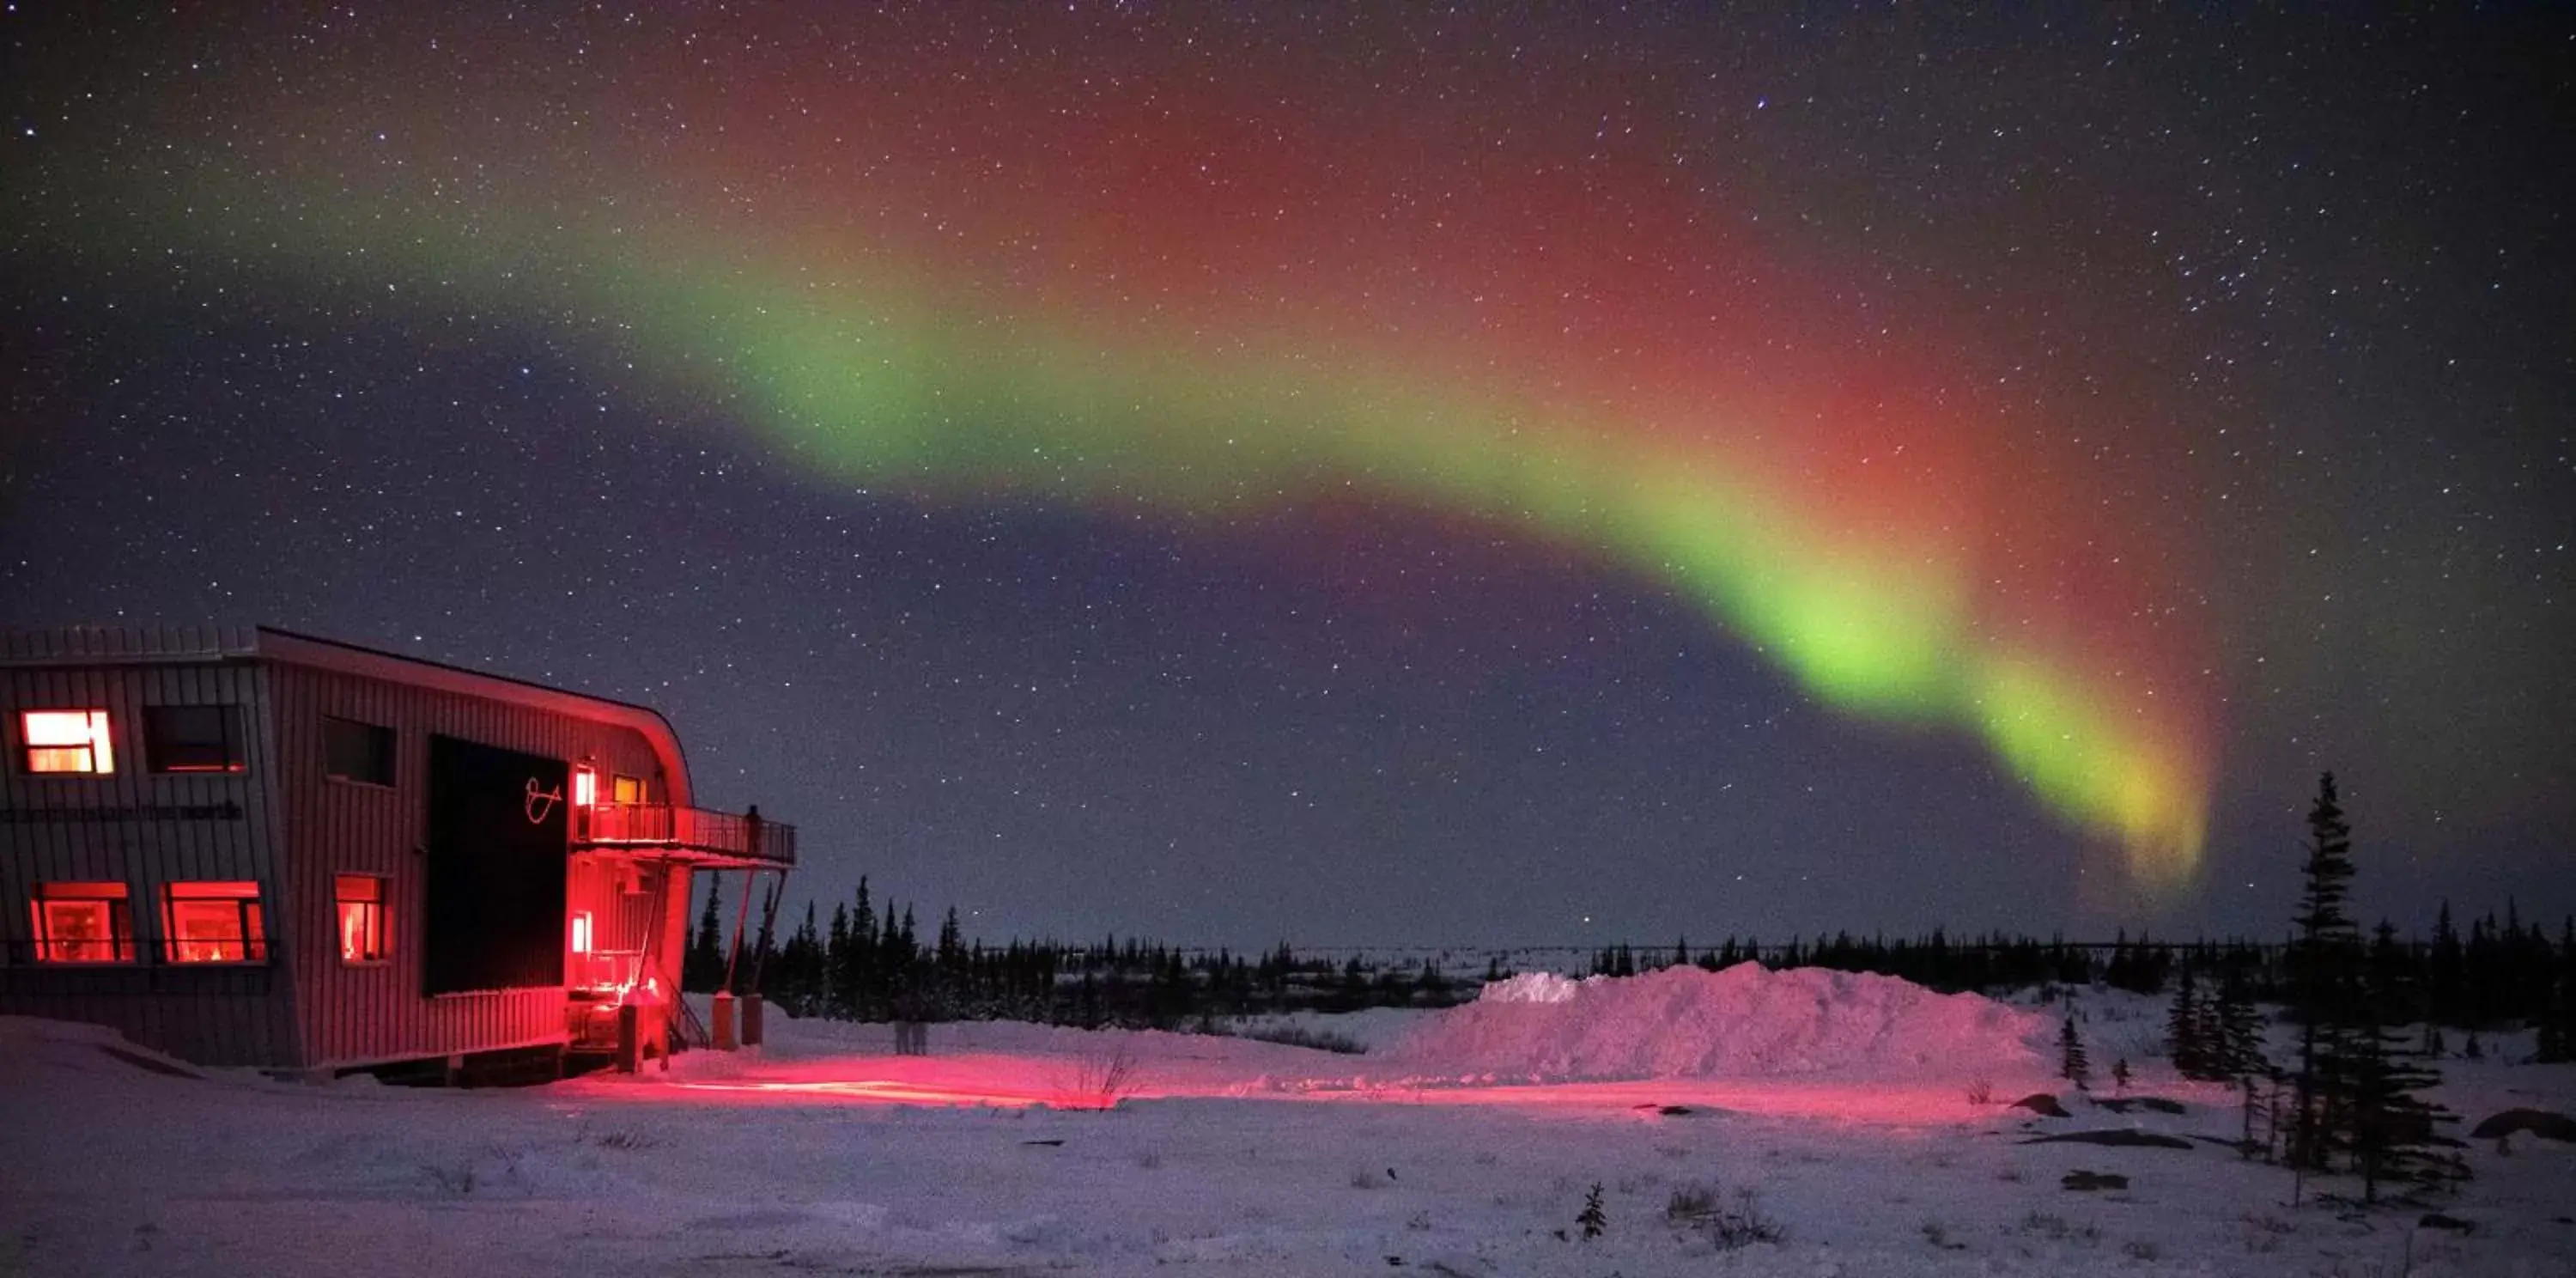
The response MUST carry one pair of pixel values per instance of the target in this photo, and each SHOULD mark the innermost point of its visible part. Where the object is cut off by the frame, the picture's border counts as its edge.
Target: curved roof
(349, 658)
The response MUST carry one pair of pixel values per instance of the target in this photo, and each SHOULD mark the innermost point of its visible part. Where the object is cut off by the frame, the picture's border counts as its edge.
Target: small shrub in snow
(2263, 1234)
(1100, 1080)
(1981, 1092)
(1592, 1218)
(457, 1181)
(1938, 1234)
(1366, 1178)
(1696, 1208)
(2142, 1249)
(2055, 1228)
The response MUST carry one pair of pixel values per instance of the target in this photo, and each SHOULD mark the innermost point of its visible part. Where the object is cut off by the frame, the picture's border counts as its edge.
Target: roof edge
(316, 652)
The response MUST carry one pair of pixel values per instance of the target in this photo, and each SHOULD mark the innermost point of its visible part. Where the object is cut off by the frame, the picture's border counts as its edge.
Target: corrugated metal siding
(104, 645)
(622, 920)
(118, 827)
(355, 1015)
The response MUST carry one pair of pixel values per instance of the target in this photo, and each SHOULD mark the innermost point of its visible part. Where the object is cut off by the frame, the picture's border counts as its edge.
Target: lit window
(626, 790)
(361, 899)
(581, 932)
(193, 739)
(67, 741)
(354, 751)
(214, 923)
(83, 923)
(585, 787)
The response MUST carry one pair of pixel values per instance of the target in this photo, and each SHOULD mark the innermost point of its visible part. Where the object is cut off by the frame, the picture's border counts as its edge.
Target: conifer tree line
(2501, 975)
(870, 963)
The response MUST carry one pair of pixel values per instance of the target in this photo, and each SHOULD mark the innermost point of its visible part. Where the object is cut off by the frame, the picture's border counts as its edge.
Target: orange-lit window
(67, 741)
(83, 923)
(626, 790)
(193, 739)
(213, 922)
(581, 932)
(585, 787)
(361, 901)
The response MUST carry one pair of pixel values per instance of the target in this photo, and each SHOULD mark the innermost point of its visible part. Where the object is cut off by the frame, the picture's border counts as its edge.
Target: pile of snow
(1683, 1022)
(1531, 987)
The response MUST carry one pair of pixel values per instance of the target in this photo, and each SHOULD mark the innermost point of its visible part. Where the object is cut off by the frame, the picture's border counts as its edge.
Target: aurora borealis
(1872, 345)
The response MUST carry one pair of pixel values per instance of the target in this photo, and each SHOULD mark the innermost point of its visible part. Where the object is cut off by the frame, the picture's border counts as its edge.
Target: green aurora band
(861, 375)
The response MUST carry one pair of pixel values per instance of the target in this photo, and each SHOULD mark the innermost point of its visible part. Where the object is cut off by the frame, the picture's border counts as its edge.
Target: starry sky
(1244, 472)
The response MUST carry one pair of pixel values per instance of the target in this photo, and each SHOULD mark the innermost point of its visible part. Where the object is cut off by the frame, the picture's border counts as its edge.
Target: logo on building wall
(541, 803)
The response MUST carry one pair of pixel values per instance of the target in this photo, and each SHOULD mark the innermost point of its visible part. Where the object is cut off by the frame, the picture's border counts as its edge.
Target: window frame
(114, 896)
(250, 921)
(381, 929)
(232, 739)
(99, 744)
(628, 792)
(377, 732)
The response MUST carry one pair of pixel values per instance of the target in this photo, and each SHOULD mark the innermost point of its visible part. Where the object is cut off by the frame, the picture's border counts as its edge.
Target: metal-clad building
(251, 847)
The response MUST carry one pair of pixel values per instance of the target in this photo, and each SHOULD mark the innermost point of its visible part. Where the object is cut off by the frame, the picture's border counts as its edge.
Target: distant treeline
(2499, 972)
(870, 964)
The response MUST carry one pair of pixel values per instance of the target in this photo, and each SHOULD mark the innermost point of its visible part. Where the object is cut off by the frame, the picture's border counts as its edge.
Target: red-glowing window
(626, 790)
(585, 787)
(194, 739)
(213, 922)
(83, 923)
(581, 932)
(67, 741)
(361, 902)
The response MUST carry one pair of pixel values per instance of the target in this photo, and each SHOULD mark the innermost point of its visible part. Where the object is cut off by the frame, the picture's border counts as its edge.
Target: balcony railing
(685, 833)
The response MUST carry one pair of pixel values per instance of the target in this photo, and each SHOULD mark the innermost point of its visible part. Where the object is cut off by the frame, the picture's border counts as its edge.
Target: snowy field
(1832, 1112)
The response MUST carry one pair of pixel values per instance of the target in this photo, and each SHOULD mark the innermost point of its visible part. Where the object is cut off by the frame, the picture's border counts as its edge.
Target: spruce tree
(837, 1000)
(2071, 1061)
(2323, 958)
(2558, 1023)
(702, 968)
(2240, 1031)
(2182, 1030)
(2444, 971)
(2392, 1134)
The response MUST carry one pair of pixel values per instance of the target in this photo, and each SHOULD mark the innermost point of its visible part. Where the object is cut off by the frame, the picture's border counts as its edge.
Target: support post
(751, 1019)
(720, 1028)
(630, 1038)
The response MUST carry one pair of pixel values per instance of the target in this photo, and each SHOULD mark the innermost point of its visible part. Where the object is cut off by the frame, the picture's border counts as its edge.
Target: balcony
(691, 835)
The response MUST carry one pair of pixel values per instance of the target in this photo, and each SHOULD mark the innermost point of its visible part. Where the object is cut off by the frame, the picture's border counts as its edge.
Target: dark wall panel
(493, 917)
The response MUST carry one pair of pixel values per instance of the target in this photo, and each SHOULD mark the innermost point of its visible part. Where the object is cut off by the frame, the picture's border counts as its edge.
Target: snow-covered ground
(824, 1153)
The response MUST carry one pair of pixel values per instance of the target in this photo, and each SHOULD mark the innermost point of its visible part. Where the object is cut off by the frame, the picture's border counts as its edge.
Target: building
(257, 848)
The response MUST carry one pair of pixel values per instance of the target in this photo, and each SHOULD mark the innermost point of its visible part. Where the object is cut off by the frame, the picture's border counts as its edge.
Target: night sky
(1255, 472)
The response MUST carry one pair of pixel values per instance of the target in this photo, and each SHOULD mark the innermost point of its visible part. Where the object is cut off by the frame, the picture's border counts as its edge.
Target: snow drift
(1683, 1022)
